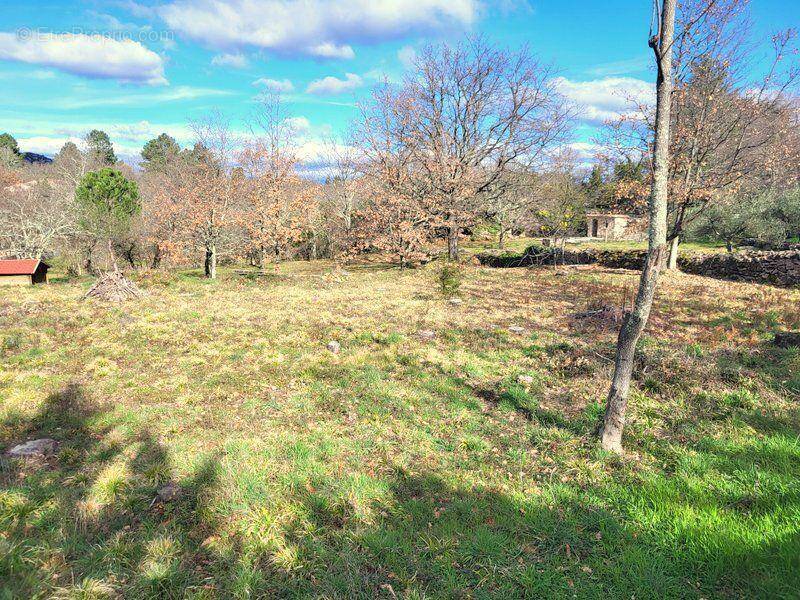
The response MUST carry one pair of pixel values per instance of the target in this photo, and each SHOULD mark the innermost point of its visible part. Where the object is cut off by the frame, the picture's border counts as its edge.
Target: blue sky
(162, 63)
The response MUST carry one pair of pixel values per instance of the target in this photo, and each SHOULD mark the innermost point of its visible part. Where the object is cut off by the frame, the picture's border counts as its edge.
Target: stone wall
(538, 255)
(776, 268)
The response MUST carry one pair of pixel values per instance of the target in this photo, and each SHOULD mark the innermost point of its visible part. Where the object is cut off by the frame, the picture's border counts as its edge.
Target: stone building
(615, 226)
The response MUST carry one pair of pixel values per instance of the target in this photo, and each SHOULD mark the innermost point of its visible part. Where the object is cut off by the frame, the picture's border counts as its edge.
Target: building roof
(23, 266)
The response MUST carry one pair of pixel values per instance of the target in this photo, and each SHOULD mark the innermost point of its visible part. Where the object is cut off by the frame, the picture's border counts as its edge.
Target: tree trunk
(672, 263)
(263, 258)
(501, 240)
(452, 239)
(728, 245)
(156, 257)
(634, 324)
(211, 261)
(87, 261)
(130, 256)
(112, 257)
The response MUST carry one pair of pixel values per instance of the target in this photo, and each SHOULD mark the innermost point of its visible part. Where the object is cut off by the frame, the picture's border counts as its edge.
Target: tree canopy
(158, 151)
(100, 147)
(8, 141)
(108, 199)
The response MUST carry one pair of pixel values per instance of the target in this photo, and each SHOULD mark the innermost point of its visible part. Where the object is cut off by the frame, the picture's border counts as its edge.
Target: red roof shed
(24, 271)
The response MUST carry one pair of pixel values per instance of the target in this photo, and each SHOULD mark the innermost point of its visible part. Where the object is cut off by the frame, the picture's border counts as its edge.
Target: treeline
(474, 134)
(421, 166)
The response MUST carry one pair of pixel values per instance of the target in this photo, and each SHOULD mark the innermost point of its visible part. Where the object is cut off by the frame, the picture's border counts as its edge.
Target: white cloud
(48, 137)
(235, 61)
(328, 50)
(300, 125)
(42, 74)
(511, 7)
(316, 158)
(603, 99)
(172, 94)
(92, 56)
(135, 131)
(407, 55)
(136, 9)
(278, 86)
(330, 86)
(111, 23)
(584, 152)
(320, 28)
(48, 146)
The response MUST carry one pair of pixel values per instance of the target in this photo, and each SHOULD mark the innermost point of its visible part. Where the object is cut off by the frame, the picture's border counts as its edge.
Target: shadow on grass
(525, 403)
(434, 539)
(84, 524)
(365, 266)
(90, 514)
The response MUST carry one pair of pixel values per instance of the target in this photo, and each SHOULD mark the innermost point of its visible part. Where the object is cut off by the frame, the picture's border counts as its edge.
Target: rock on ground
(334, 347)
(426, 334)
(516, 329)
(170, 492)
(34, 449)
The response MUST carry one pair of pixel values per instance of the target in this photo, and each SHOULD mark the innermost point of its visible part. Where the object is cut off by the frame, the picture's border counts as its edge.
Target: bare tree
(558, 200)
(70, 165)
(208, 189)
(276, 202)
(512, 206)
(461, 120)
(392, 218)
(729, 129)
(35, 216)
(343, 193)
(661, 42)
(382, 135)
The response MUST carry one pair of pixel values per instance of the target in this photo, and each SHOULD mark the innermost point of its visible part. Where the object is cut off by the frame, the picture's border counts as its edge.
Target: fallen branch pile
(113, 286)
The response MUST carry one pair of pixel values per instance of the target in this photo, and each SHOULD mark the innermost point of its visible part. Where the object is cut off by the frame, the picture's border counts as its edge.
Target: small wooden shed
(23, 271)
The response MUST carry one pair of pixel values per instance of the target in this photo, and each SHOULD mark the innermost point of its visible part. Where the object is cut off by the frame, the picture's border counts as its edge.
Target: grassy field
(401, 467)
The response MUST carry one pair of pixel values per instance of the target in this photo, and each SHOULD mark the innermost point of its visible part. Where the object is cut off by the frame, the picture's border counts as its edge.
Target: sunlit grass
(401, 466)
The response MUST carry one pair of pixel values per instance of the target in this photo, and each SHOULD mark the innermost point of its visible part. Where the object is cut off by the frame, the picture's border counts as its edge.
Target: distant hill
(33, 158)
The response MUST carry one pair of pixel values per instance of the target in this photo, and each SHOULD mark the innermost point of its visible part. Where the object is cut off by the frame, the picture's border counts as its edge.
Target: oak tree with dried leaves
(460, 121)
(208, 191)
(276, 201)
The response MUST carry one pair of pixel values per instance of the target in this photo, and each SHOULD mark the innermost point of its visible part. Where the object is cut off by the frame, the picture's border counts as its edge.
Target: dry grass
(402, 465)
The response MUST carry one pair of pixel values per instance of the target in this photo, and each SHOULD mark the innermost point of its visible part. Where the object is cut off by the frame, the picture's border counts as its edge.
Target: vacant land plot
(403, 466)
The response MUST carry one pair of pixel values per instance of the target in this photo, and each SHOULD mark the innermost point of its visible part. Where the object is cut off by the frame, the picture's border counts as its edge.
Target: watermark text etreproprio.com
(144, 34)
